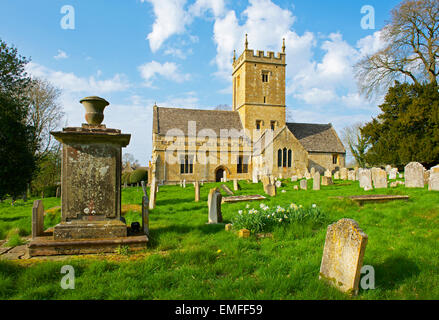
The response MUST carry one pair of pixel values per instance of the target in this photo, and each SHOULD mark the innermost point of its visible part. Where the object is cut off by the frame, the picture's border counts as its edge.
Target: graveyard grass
(189, 259)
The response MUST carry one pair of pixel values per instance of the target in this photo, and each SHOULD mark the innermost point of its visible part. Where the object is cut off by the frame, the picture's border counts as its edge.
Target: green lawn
(189, 259)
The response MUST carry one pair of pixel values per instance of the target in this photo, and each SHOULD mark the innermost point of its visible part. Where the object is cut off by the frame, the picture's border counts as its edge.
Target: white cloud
(178, 53)
(61, 55)
(171, 19)
(68, 81)
(168, 70)
(201, 7)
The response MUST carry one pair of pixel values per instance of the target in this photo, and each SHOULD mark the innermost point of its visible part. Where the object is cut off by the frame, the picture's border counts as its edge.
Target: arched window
(284, 156)
(279, 158)
(289, 158)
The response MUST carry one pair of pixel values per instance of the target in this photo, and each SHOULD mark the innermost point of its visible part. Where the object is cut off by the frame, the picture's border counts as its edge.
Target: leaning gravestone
(380, 179)
(227, 189)
(365, 178)
(303, 184)
(214, 205)
(414, 175)
(316, 181)
(343, 254)
(37, 219)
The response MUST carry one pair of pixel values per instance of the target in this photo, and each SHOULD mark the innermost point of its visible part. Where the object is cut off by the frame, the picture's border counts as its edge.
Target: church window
(289, 158)
(279, 158)
(242, 166)
(284, 158)
(186, 164)
(334, 159)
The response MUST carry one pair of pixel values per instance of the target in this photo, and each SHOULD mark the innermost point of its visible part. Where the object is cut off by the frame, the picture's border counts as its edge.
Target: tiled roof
(317, 137)
(165, 119)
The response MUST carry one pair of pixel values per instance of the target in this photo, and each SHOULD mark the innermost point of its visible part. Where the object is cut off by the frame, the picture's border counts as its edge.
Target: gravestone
(357, 174)
(255, 177)
(270, 189)
(197, 191)
(145, 215)
(393, 173)
(144, 188)
(326, 181)
(235, 185)
(388, 168)
(37, 219)
(328, 174)
(380, 179)
(265, 180)
(351, 175)
(280, 176)
(184, 183)
(316, 181)
(307, 175)
(433, 182)
(414, 175)
(303, 184)
(294, 178)
(152, 193)
(343, 174)
(278, 184)
(312, 172)
(299, 176)
(227, 189)
(337, 175)
(90, 178)
(224, 176)
(214, 204)
(343, 254)
(365, 178)
(296, 187)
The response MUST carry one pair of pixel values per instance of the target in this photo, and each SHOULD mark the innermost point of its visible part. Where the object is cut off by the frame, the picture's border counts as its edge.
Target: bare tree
(44, 115)
(355, 142)
(223, 107)
(128, 158)
(411, 51)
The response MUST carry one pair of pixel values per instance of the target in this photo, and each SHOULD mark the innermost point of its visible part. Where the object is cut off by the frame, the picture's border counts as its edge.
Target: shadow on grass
(10, 219)
(395, 270)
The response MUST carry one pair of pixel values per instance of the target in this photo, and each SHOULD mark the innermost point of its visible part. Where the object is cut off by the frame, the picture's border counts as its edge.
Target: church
(252, 140)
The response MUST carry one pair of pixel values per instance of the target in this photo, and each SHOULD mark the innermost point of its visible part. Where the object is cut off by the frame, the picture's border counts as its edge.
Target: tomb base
(107, 229)
(47, 246)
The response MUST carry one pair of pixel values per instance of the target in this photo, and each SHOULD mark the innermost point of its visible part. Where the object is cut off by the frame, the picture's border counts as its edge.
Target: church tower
(259, 88)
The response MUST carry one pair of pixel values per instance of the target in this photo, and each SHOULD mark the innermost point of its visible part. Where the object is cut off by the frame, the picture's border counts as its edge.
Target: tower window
(273, 125)
(265, 77)
(242, 166)
(264, 99)
(258, 124)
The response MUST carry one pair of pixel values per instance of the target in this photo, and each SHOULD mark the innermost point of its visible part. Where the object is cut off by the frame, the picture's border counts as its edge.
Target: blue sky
(178, 53)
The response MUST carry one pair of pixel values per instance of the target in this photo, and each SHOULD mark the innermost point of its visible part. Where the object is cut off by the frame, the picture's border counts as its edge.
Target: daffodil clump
(264, 218)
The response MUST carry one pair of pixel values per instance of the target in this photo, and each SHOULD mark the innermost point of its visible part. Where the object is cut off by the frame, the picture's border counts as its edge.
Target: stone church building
(252, 140)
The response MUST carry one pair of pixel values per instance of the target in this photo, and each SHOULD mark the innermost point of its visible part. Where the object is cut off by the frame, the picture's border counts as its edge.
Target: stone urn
(94, 109)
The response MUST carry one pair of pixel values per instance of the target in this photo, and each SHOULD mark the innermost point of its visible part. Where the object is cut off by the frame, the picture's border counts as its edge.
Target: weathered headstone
(388, 168)
(316, 181)
(224, 176)
(337, 175)
(307, 175)
(197, 191)
(433, 182)
(255, 177)
(303, 184)
(184, 183)
(343, 174)
(152, 193)
(214, 205)
(235, 185)
(343, 254)
(393, 173)
(351, 175)
(278, 184)
(270, 189)
(380, 179)
(326, 181)
(312, 172)
(265, 180)
(328, 174)
(37, 219)
(365, 178)
(294, 178)
(414, 175)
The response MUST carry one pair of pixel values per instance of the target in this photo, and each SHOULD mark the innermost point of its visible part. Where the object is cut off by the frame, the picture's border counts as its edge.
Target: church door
(219, 175)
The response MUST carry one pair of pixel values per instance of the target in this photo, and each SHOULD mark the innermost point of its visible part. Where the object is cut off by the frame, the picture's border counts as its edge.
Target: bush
(267, 218)
(138, 175)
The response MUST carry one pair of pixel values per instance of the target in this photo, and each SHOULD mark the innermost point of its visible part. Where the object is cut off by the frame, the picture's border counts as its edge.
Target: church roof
(317, 137)
(165, 119)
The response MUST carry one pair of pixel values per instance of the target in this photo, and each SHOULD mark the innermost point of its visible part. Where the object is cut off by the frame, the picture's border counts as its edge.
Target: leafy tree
(16, 138)
(356, 143)
(411, 49)
(408, 127)
(48, 172)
